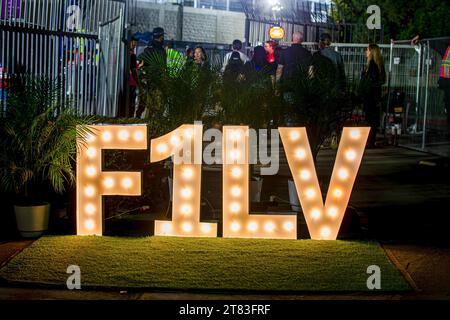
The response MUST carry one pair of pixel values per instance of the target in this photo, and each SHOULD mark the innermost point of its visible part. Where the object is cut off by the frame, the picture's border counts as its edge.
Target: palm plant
(38, 139)
(176, 94)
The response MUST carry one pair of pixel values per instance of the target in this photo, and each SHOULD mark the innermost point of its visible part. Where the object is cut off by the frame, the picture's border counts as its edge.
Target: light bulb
(162, 147)
(91, 171)
(106, 136)
(206, 228)
(90, 208)
(235, 207)
(325, 232)
(189, 133)
(187, 227)
(166, 227)
(288, 226)
(236, 191)
(350, 155)
(235, 226)
(332, 212)
(124, 135)
(186, 193)
(355, 134)
(186, 209)
(236, 172)
(343, 174)
(91, 152)
(305, 174)
(235, 154)
(269, 227)
(89, 224)
(294, 135)
(300, 153)
(89, 191)
(188, 173)
(175, 141)
(127, 183)
(315, 214)
(236, 135)
(138, 136)
(108, 183)
(252, 226)
(310, 193)
(337, 193)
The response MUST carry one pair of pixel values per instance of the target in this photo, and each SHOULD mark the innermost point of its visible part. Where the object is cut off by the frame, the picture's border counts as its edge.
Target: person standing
(373, 77)
(154, 61)
(334, 56)
(133, 79)
(237, 47)
(293, 59)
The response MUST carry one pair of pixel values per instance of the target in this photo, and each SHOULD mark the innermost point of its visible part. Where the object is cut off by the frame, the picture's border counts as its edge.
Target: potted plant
(38, 149)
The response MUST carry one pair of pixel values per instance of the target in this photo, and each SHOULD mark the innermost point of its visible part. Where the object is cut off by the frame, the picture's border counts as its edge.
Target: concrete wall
(199, 25)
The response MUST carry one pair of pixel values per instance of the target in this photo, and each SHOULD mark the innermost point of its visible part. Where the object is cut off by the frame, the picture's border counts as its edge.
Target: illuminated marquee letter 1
(92, 183)
(324, 221)
(237, 221)
(185, 144)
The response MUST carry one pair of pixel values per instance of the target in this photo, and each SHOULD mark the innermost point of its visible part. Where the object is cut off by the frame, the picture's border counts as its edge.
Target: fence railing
(58, 39)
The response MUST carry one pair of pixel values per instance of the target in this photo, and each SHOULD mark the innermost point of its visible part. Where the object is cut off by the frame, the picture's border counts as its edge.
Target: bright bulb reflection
(124, 135)
(188, 173)
(310, 193)
(236, 172)
(187, 227)
(89, 191)
(89, 224)
(325, 232)
(337, 193)
(175, 140)
(343, 174)
(127, 183)
(91, 152)
(206, 228)
(139, 136)
(315, 214)
(235, 226)
(106, 136)
(294, 135)
(269, 227)
(236, 191)
(350, 155)
(305, 174)
(288, 226)
(332, 212)
(355, 134)
(166, 228)
(162, 147)
(235, 207)
(252, 226)
(91, 171)
(90, 209)
(108, 183)
(186, 193)
(186, 209)
(300, 153)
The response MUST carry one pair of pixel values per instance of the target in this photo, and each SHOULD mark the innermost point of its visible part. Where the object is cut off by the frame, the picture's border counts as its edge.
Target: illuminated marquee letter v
(324, 221)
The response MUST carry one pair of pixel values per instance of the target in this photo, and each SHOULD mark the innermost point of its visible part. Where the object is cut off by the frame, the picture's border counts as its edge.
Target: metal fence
(59, 39)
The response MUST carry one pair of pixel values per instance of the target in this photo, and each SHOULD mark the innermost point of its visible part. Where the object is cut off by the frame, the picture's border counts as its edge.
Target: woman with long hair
(373, 77)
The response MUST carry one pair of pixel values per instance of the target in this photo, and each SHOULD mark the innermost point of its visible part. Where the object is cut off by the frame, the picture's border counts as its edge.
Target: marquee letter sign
(185, 146)
(237, 222)
(324, 221)
(93, 183)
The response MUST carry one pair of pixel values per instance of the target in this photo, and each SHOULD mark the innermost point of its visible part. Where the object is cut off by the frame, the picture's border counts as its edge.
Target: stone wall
(199, 25)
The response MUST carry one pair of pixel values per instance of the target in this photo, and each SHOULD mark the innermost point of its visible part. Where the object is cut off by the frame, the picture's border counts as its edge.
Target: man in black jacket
(293, 59)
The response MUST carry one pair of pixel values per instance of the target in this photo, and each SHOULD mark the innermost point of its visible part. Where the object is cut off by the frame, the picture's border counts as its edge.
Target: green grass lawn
(216, 264)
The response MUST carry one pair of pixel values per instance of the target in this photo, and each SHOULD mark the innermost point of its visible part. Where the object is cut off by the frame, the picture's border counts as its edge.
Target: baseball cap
(158, 32)
(325, 37)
